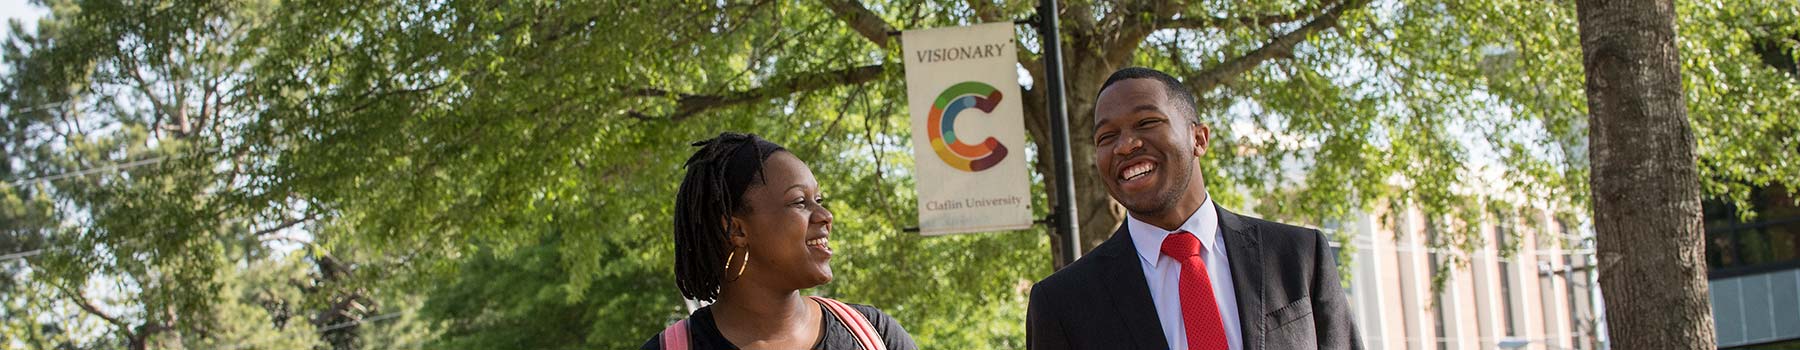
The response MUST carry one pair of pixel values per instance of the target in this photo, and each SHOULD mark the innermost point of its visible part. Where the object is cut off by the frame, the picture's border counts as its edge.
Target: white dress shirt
(1163, 273)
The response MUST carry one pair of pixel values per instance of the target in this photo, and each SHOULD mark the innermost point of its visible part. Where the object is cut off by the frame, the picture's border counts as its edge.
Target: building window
(1771, 241)
(1507, 269)
(1576, 290)
(1578, 273)
(1439, 317)
(1547, 289)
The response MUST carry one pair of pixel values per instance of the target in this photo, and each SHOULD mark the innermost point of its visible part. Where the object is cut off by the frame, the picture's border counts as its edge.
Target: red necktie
(1199, 311)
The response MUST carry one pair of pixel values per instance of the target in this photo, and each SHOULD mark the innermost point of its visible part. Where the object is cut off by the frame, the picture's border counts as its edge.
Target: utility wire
(382, 317)
(45, 106)
(114, 167)
(21, 255)
(378, 318)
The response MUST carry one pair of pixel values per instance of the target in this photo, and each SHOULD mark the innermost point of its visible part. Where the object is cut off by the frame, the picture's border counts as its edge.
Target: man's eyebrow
(1139, 108)
(1146, 107)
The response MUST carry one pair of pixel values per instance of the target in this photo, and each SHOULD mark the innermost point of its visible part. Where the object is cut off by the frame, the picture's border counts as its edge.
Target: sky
(23, 11)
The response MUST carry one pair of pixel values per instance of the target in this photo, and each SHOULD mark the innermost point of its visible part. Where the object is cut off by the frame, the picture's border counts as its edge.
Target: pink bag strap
(676, 336)
(859, 325)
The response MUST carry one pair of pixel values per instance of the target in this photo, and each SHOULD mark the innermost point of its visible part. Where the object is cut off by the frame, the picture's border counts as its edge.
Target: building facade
(1753, 271)
(1543, 295)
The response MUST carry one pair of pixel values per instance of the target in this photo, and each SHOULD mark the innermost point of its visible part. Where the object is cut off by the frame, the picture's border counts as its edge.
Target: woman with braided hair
(751, 231)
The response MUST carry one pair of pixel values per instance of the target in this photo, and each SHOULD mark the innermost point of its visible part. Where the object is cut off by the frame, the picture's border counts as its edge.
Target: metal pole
(1064, 212)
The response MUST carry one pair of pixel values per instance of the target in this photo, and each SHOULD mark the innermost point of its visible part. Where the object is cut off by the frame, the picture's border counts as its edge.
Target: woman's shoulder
(655, 343)
(701, 332)
(869, 311)
(891, 332)
(880, 320)
(874, 315)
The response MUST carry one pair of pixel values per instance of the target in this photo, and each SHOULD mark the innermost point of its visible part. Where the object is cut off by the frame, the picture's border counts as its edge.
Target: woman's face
(786, 227)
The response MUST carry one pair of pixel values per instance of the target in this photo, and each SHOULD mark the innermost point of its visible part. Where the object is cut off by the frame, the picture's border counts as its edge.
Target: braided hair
(713, 190)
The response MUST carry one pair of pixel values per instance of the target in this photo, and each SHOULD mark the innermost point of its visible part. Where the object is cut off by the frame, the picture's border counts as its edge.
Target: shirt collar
(1203, 223)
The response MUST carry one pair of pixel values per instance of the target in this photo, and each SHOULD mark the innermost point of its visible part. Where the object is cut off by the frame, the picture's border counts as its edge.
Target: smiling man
(1182, 273)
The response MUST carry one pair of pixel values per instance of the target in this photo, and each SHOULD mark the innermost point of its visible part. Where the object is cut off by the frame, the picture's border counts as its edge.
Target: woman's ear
(734, 231)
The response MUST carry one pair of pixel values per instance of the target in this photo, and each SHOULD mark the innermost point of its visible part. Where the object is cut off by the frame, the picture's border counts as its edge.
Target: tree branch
(687, 105)
(134, 339)
(284, 225)
(370, 98)
(1130, 24)
(82, 301)
(346, 308)
(1079, 17)
(129, 65)
(985, 10)
(862, 20)
(1252, 20)
(1282, 46)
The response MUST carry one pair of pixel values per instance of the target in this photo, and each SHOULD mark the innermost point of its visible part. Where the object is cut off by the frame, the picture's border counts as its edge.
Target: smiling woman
(746, 197)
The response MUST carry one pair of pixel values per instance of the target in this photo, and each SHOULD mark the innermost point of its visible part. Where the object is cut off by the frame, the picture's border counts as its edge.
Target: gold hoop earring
(741, 267)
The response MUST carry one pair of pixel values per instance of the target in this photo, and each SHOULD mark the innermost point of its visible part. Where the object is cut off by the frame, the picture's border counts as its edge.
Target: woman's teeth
(818, 242)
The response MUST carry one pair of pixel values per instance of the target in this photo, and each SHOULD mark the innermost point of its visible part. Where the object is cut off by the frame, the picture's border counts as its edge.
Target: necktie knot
(1181, 245)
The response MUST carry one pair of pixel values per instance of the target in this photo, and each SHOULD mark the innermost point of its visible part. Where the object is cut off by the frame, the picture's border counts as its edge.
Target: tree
(138, 87)
(136, 212)
(1646, 186)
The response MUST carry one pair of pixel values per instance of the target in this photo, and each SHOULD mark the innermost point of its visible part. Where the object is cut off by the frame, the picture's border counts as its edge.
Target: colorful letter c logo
(942, 126)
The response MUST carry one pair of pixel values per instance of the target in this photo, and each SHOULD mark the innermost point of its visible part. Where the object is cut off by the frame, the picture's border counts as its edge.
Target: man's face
(1146, 148)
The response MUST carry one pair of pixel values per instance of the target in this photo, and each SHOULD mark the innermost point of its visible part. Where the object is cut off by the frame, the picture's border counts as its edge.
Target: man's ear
(1202, 139)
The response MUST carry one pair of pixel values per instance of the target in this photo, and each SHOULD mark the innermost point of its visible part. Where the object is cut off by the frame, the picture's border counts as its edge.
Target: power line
(381, 317)
(21, 255)
(122, 166)
(114, 167)
(335, 327)
(45, 106)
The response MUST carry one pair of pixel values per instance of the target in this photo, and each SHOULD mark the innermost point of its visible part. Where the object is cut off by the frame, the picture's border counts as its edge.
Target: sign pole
(1063, 214)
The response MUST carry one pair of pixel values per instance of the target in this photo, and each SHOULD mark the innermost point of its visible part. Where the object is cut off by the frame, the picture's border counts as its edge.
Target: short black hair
(1176, 90)
(717, 176)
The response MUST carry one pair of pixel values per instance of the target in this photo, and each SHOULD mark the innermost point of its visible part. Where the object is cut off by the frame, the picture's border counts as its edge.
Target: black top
(703, 333)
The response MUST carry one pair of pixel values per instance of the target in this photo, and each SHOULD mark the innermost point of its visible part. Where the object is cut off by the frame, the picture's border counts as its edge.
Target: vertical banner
(962, 88)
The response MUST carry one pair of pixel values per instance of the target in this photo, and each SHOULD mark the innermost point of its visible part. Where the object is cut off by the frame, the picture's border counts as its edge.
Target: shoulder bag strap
(859, 325)
(676, 336)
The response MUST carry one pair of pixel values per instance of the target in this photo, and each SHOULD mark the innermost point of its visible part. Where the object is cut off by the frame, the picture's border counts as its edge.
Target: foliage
(500, 174)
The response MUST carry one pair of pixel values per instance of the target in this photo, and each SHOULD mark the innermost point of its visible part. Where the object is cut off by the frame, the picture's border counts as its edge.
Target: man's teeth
(1135, 171)
(818, 242)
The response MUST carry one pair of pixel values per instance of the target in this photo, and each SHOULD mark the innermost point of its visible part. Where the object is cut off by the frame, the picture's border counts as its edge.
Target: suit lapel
(1246, 276)
(1129, 292)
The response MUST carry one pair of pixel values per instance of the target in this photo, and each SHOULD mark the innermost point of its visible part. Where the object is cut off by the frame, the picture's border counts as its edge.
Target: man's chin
(1145, 206)
(1141, 202)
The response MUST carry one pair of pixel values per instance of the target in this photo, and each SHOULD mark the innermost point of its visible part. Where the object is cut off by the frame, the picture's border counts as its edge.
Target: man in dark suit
(1181, 273)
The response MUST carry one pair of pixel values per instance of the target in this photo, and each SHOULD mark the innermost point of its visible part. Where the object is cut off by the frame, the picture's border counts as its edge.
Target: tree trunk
(1646, 190)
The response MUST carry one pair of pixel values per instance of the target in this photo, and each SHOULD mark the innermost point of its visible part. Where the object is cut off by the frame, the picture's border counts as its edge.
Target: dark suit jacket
(1286, 278)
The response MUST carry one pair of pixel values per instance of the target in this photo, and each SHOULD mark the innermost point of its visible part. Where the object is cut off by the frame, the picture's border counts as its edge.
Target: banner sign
(962, 88)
